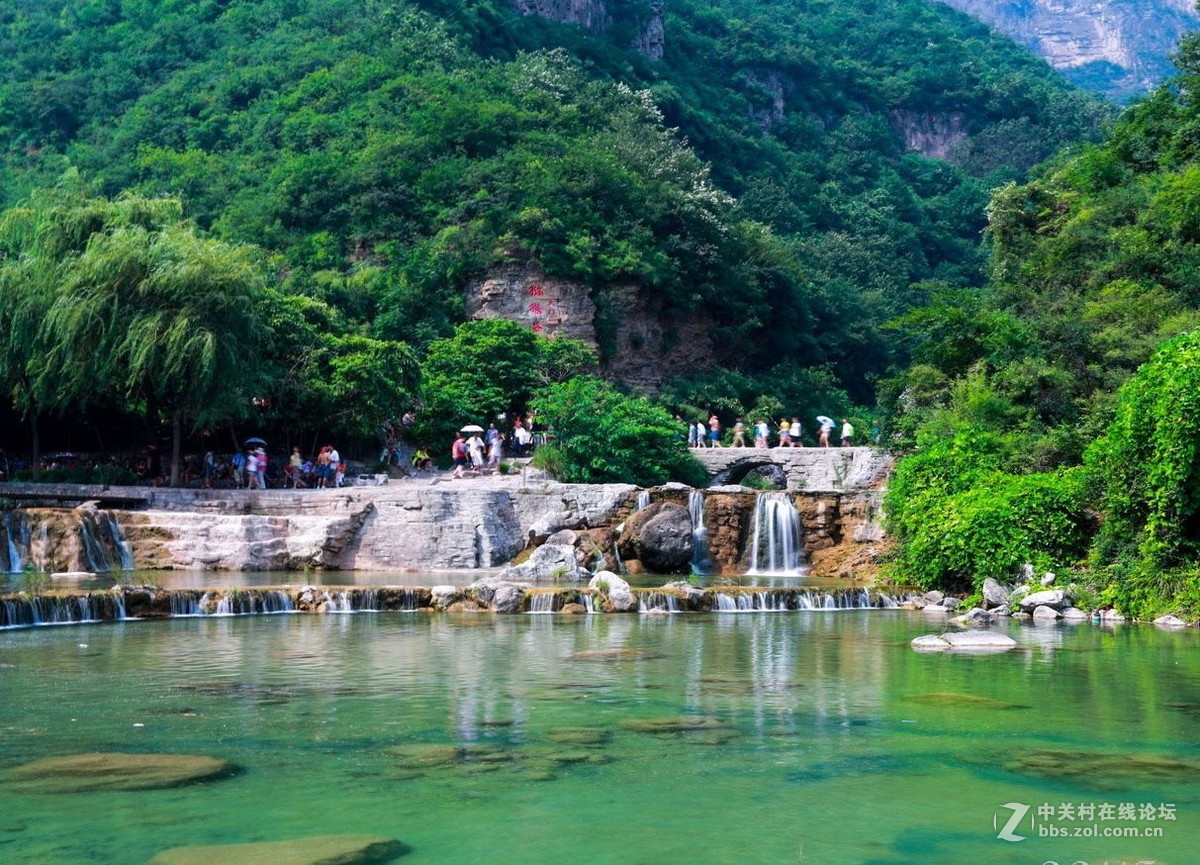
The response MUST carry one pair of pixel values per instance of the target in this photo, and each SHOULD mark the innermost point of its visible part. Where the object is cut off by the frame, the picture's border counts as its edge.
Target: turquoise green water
(830, 750)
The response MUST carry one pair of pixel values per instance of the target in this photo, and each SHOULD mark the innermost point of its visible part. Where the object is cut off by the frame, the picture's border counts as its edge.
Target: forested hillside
(386, 152)
(1056, 414)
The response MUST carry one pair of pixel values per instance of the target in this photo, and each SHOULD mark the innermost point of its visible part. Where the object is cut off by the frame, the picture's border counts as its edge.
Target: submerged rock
(578, 735)
(626, 654)
(971, 701)
(1100, 770)
(317, 850)
(81, 773)
(675, 724)
(965, 641)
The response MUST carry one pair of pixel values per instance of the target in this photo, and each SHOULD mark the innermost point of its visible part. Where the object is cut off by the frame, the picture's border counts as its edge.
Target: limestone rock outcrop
(1120, 48)
(660, 537)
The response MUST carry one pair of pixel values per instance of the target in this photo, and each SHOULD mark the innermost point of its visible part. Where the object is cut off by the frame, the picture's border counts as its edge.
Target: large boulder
(500, 595)
(618, 595)
(318, 850)
(78, 773)
(1055, 599)
(965, 641)
(548, 562)
(660, 537)
(994, 594)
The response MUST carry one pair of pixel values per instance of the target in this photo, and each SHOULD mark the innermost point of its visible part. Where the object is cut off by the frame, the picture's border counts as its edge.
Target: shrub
(991, 528)
(604, 436)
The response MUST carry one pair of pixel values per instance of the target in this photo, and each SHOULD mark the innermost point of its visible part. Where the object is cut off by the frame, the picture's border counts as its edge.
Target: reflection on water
(813, 737)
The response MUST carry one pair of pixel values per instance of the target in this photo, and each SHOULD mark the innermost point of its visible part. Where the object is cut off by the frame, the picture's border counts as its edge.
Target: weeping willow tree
(164, 317)
(41, 242)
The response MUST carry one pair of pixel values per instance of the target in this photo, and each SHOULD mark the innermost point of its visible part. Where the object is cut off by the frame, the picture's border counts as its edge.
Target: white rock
(1056, 599)
(964, 642)
(618, 592)
(1170, 622)
(1075, 614)
(930, 643)
(976, 616)
(979, 641)
(1048, 578)
(1041, 611)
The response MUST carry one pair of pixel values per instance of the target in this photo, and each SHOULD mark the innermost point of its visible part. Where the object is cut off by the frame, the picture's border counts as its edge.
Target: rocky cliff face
(595, 17)
(642, 348)
(1119, 47)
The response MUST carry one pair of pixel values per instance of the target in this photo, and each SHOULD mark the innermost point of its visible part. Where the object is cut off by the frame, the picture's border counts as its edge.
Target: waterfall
(657, 602)
(541, 603)
(643, 499)
(16, 528)
(187, 603)
(775, 546)
(104, 546)
(586, 597)
(700, 561)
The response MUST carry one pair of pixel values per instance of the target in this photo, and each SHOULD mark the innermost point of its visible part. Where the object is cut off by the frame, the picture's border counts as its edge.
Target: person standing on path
(796, 432)
(458, 453)
(714, 431)
(739, 434)
(826, 429)
(785, 433)
(847, 433)
(762, 433)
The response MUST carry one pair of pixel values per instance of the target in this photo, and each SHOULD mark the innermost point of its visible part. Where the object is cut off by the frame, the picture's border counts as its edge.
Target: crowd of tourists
(252, 468)
(478, 451)
(786, 434)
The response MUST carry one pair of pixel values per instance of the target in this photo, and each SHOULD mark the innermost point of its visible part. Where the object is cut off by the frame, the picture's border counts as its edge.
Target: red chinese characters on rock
(536, 290)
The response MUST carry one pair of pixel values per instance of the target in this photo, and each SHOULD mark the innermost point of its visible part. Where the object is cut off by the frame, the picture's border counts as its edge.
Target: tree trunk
(176, 446)
(35, 444)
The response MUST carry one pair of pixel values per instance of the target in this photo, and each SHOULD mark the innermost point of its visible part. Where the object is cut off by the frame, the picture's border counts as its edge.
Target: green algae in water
(817, 752)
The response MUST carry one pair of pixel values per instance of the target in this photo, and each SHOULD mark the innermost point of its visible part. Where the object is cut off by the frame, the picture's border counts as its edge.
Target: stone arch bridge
(812, 469)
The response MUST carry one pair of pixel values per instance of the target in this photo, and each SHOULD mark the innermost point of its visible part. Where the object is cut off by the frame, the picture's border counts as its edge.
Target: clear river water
(804, 737)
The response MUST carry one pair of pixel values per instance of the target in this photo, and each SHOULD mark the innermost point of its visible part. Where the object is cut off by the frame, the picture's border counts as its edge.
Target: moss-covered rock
(82, 773)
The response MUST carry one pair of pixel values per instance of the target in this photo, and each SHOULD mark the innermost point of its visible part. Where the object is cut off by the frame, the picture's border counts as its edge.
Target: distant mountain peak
(1117, 47)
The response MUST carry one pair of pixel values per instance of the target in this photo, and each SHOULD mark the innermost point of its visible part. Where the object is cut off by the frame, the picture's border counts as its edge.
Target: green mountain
(764, 168)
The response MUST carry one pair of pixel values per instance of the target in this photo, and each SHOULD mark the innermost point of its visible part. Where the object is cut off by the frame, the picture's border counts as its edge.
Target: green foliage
(603, 436)
(102, 474)
(1147, 467)
(489, 368)
(992, 528)
(388, 153)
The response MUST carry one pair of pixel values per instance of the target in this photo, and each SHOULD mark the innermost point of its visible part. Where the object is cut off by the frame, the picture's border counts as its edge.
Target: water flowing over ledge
(123, 603)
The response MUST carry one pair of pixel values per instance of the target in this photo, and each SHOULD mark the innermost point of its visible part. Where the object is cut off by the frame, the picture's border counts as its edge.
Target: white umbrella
(825, 421)
(472, 428)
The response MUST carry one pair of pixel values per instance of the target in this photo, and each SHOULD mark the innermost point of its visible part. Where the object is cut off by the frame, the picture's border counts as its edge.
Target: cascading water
(700, 560)
(103, 542)
(16, 536)
(643, 499)
(775, 545)
(541, 603)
